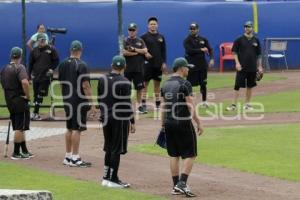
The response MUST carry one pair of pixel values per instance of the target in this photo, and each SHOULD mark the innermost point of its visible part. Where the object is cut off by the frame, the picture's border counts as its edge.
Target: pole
(120, 27)
(24, 32)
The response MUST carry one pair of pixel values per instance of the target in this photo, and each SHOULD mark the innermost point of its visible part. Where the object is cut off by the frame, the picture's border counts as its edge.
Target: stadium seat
(277, 51)
(225, 53)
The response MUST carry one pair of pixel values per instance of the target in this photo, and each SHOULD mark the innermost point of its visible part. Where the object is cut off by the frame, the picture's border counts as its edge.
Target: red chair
(225, 53)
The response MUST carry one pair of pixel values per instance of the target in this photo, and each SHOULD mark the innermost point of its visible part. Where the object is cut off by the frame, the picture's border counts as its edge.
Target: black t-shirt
(11, 81)
(41, 60)
(156, 46)
(134, 63)
(114, 96)
(174, 91)
(248, 51)
(193, 54)
(73, 71)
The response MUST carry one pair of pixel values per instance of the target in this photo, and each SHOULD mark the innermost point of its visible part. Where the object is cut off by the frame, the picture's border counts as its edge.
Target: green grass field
(62, 188)
(271, 150)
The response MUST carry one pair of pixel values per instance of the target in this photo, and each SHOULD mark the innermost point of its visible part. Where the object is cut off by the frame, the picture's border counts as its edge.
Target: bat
(7, 141)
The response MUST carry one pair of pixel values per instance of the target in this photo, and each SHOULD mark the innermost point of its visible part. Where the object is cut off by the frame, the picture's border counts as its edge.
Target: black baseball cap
(194, 25)
(132, 26)
(248, 23)
(152, 19)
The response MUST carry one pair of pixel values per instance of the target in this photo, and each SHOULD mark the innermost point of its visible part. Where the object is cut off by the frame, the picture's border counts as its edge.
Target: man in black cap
(43, 60)
(247, 56)
(76, 90)
(155, 63)
(134, 53)
(15, 84)
(114, 92)
(196, 49)
(177, 114)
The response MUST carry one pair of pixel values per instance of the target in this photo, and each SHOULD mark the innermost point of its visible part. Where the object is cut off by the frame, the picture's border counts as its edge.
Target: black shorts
(116, 136)
(41, 88)
(245, 79)
(137, 78)
(20, 121)
(77, 121)
(197, 77)
(154, 73)
(181, 139)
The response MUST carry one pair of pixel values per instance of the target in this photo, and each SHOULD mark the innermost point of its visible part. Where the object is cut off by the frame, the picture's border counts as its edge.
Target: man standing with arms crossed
(134, 52)
(247, 55)
(155, 63)
(196, 48)
(178, 110)
(114, 92)
(74, 76)
(15, 84)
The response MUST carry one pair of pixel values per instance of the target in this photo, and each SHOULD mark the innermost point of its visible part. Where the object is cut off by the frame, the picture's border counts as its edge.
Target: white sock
(68, 155)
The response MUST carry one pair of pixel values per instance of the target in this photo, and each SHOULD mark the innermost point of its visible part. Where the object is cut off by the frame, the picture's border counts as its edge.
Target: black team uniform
(40, 61)
(156, 45)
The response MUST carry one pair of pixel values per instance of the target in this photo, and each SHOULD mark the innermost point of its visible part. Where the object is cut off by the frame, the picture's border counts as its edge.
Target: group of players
(144, 60)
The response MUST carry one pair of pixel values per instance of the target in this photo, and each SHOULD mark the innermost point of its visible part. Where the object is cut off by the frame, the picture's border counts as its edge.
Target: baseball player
(178, 110)
(196, 48)
(155, 63)
(114, 93)
(74, 71)
(43, 60)
(247, 55)
(14, 81)
(134, 53)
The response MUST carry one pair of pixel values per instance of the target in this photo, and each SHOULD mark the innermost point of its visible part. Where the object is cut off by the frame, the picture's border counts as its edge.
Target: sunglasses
(248, 26)
(193, 29)
(131, 29)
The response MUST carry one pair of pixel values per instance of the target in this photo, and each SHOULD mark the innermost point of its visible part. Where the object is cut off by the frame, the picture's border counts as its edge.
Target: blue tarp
(95, 24)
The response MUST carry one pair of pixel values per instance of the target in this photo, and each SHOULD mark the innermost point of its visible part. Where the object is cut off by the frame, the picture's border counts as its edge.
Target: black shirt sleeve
(55, 58)
(235, 47)
(258, 49)
(210, 51)
(21, 73)
(187, 89)
(83, 71)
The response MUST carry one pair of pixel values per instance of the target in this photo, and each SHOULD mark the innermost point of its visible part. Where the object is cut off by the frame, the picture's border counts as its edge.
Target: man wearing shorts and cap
(247, 56)
(14, 81)
(178, 110)
(196, 49)
(155, 63)
(76, 90)
(43, 60)
(134, 53)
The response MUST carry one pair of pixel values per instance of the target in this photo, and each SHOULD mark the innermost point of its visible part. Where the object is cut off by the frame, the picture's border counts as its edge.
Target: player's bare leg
(157, 93)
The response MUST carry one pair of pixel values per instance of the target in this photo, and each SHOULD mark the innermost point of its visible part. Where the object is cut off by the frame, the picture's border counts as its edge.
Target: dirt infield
(150, 174)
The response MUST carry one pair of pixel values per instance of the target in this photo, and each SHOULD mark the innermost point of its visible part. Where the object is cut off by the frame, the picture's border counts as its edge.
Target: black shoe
(79, 163)
(184, 188)
(142, 110)
(30, 155)
(19, 156)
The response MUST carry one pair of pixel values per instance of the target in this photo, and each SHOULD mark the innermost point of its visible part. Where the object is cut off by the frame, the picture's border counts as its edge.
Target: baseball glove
(162, 139)
(259, 75)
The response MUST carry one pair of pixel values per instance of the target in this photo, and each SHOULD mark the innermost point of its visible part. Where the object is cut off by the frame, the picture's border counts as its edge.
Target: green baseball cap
(76, 45)
(132, 26)
(41, 36)
(16, 52)
(248, 23)
(119, 61)
(181, 62)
